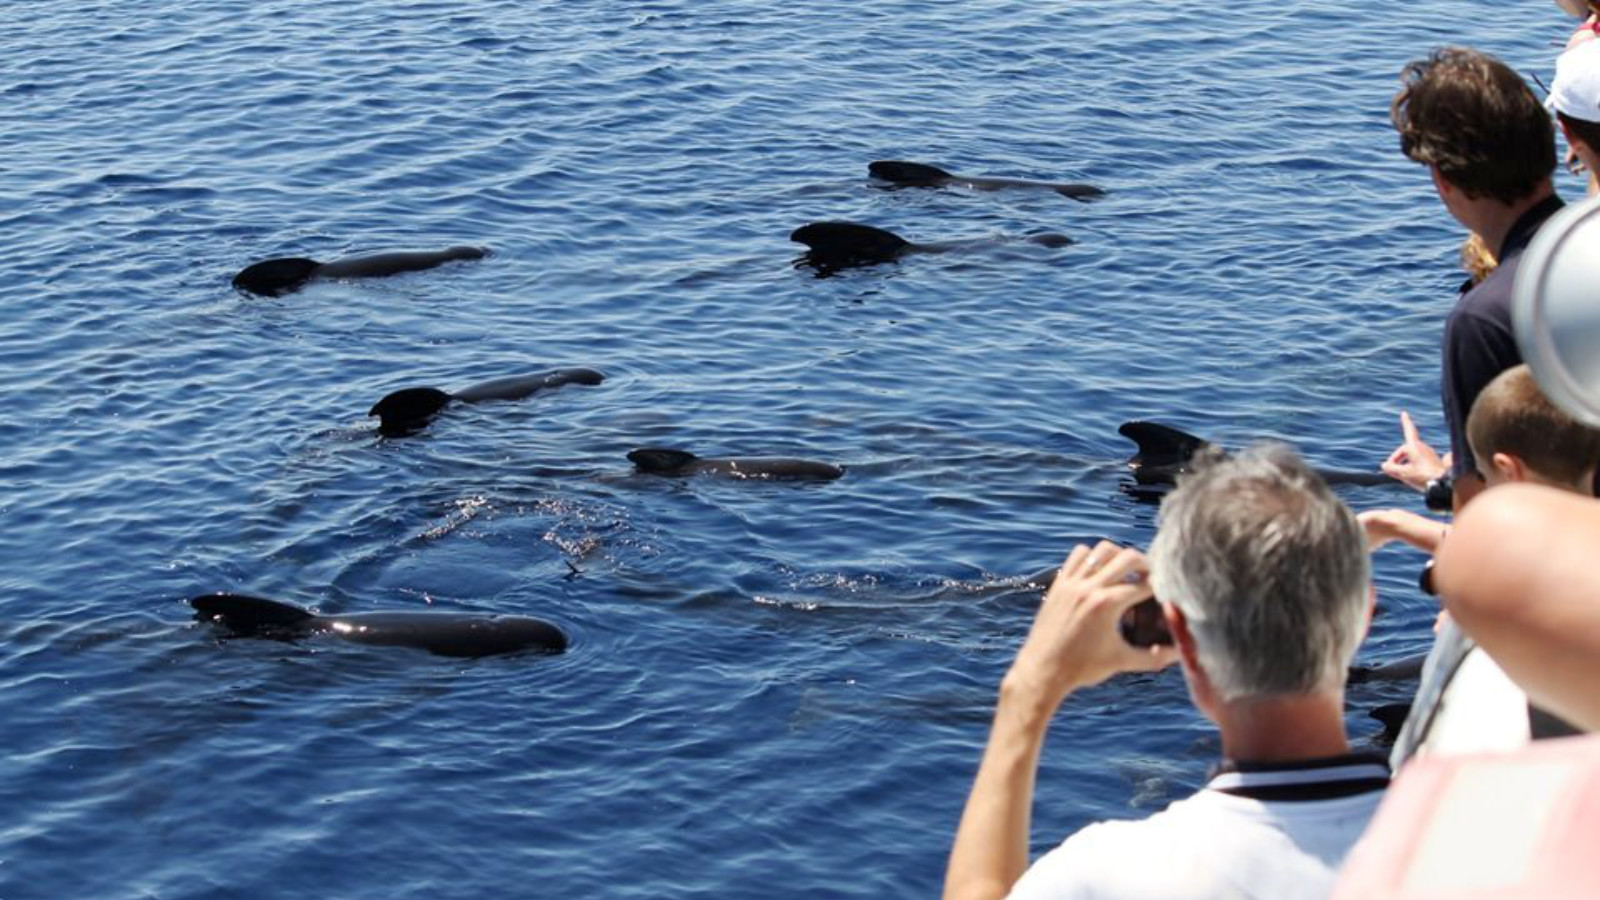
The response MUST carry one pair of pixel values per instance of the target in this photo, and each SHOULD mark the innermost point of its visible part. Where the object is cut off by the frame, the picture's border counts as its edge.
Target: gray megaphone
(1555, 309)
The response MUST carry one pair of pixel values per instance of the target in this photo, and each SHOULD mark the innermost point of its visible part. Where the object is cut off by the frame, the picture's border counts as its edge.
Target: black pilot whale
(839, 245)
(407, 411)
(443, 633)
(914, 174)
(285, 275)
(1165, 453)
(681, 463)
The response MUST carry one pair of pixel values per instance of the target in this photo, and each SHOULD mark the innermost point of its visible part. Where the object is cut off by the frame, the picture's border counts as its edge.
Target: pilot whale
(285, 275)
(408, 410)
(913, 174)
(1165, 453)
(839, 245)
(679, 463)
(443, 633)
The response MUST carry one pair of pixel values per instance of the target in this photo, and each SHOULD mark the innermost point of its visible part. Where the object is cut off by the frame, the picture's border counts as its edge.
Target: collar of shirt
(1306, 779)
(1527, 224)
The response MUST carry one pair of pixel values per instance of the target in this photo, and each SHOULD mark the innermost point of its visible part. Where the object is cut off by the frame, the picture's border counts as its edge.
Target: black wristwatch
(1440, 494)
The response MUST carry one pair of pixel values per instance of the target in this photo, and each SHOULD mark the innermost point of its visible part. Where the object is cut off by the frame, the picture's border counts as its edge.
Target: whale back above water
(910, 174)
(832, 246)
(409, 410)
(441, 633)
(914, 174)
(680, 463)
(516, 387)
(284, 275)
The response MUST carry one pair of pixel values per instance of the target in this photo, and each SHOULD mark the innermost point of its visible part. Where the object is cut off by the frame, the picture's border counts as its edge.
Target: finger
(1125, 596)
(1102, 553)
(1075, 560)
(1128, 565)
(1409, 428)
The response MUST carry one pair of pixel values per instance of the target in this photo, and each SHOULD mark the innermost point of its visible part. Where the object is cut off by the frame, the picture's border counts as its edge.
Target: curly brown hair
(1477, 121)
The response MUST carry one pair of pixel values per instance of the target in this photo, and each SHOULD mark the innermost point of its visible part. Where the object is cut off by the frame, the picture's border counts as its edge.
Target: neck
(1284, 728)
(1492, 220)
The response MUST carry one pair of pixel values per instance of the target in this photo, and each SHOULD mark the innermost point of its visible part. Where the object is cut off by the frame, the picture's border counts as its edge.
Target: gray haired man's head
(1270, 570)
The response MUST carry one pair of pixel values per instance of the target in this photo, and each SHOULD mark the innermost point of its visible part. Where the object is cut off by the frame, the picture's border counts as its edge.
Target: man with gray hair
(1263, 580)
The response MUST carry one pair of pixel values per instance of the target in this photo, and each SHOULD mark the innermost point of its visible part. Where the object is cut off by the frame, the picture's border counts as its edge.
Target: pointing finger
(1409, 428)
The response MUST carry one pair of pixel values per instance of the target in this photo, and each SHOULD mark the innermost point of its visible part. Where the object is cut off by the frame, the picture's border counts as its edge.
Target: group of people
(1264, 578)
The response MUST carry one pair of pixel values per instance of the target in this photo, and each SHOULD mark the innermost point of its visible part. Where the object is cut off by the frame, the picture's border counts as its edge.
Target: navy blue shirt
(1478, 339)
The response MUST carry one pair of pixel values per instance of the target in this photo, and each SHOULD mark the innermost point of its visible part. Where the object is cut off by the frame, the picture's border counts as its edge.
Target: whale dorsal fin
(1161, 445)
(912, 173)
(274, 277)
(244, 613)
(405, 411)
(849, 240)
(660, 460)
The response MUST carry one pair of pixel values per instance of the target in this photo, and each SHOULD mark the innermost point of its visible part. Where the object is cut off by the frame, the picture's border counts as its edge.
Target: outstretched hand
(1385, 525)
(1413, 462)
(1075, 640)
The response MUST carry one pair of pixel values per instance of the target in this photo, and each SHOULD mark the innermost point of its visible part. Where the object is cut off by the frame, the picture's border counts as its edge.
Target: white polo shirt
(1255, 831)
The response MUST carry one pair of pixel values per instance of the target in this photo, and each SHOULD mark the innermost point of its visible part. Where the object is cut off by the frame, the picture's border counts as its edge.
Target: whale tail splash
(912, 174)
(276, 277)
(406, 411)
(661, 460)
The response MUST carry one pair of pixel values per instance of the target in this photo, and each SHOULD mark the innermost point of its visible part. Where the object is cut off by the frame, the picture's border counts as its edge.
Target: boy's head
(1517, 434)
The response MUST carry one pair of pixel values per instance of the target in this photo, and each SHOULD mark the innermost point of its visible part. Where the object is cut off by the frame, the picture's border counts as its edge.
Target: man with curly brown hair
(1489, 146)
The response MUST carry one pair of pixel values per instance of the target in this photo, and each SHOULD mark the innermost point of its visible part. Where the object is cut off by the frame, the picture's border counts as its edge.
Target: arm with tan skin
(1074, 643)
(1385, 525)
(1518, 573)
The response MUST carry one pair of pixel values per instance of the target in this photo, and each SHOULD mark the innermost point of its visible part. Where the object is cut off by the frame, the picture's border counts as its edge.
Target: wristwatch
(1440, 494)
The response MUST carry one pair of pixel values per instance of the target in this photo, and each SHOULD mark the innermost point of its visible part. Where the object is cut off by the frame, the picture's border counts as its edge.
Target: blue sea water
(773, 689)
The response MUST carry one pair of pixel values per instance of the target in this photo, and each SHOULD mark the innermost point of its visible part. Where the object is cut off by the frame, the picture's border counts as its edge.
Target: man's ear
(1510, 467)
(1440, 184)
(1200, 688)
(1567, 133)
(1178, 625)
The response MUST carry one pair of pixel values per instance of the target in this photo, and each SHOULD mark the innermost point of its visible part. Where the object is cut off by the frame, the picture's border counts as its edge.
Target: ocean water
(774, 689)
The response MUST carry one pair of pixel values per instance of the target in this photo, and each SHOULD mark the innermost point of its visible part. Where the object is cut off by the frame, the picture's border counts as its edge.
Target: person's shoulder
(1096, 861)
(1488, 303)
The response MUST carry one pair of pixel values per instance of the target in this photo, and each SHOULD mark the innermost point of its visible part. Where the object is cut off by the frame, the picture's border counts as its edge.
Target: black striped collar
(1306, 779)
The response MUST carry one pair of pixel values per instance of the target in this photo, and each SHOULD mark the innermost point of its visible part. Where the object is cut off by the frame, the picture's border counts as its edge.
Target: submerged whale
(408, 410)
(680, 463)
(839, 245)
(913, 174)
(1165, 453)
(285, 275)
(443, 633)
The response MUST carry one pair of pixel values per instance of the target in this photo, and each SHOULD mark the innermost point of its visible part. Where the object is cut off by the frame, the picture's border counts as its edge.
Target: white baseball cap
(1575, 93)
